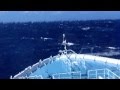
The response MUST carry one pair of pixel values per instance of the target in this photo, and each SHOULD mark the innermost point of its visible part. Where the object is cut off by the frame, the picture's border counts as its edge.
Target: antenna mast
(64, 43)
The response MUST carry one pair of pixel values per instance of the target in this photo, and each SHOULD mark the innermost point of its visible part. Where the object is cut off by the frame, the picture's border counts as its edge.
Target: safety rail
(68, 75)
(30, 77)
(112, 75)
(102, 74)
(91, 74)
(30, 69)
(35, 77)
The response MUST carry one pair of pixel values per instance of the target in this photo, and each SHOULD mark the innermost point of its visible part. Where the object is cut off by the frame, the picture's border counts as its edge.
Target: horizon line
(56, 21)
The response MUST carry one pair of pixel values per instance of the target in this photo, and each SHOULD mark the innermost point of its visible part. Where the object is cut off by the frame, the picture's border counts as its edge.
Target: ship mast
(64, 43)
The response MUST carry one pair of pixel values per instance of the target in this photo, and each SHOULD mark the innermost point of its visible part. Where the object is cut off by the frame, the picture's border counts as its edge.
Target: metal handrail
(113, 73)
(59, 75)
(104, 73)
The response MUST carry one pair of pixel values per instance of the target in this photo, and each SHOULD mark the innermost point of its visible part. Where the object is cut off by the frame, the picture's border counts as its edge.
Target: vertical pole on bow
(64, 43)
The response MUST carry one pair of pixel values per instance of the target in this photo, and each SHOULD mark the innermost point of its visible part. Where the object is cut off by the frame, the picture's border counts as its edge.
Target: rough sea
(23, 44)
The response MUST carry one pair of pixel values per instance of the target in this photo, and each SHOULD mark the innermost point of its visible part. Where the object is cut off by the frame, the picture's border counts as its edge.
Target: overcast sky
(24, 16)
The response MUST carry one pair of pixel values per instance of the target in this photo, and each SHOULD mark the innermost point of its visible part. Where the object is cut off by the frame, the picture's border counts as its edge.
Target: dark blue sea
(23, 44)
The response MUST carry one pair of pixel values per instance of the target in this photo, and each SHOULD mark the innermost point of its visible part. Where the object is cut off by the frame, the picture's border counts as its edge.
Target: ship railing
(68, 75)
(35, 77)
(102, 74)
(23, 73)
(27, 71)
(112, 75)
(32, 77)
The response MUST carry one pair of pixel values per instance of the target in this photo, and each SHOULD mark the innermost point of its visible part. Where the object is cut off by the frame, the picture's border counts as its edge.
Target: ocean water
(23, 44)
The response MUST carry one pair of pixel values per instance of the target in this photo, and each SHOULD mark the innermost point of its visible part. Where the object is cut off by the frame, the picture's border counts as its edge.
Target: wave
(111, 53)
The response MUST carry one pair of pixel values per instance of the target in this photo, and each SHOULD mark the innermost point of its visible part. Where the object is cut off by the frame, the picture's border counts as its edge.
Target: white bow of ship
(70, 65)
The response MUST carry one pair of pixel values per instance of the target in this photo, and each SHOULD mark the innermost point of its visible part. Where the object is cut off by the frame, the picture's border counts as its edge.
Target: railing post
(80, 75)
(119, 71)
(108, 74)
(88, 74)
(10, 77)
(104, 73)
(41, 76)
(59, 76)
(53, 77)
(96, 74)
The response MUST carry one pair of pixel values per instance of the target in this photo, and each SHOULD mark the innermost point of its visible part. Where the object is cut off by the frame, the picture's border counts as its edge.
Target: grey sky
(24, 16)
